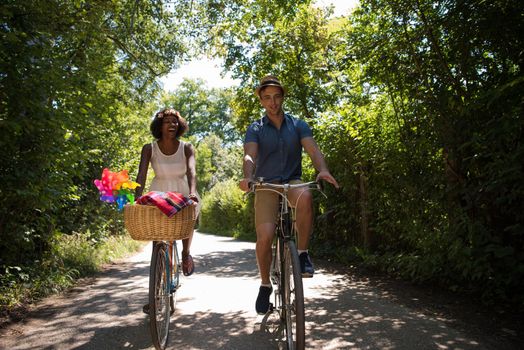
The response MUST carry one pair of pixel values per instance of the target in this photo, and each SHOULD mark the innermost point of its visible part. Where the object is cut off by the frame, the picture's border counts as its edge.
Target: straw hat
(269, 80)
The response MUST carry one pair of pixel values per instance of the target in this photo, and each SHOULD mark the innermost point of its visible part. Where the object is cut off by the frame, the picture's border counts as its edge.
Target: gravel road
(215, 310)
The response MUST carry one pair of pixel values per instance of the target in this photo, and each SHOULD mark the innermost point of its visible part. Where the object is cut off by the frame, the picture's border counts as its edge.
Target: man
(273, 150)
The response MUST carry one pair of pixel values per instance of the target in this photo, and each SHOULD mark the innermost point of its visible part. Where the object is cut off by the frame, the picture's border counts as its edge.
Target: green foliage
(295, 49)
(70, 257)
(226, 211)
(75, 77)
(206, 110)
(417, 106)
(86, 255)
(75, 81)
(217, 162)
(453, 90)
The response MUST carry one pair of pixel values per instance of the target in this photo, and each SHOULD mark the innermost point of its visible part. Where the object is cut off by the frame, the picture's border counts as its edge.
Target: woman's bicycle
(164, 280)
(285, 267)
(147, 223)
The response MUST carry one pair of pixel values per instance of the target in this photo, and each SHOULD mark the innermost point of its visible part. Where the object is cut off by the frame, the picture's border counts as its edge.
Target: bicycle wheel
(293, 298)
(159, 295)
(277, 275)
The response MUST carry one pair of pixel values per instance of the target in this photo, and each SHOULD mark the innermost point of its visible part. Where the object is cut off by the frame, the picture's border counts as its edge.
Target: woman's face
(169, 126)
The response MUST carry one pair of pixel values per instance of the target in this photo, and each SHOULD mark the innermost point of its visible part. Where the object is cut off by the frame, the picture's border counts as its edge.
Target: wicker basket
(148, 223)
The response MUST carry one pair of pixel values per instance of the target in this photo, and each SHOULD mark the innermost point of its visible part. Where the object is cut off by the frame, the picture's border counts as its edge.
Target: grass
(72, 257)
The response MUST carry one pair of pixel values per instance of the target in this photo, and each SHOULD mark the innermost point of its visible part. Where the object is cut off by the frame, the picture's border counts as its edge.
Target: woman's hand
(194, 197)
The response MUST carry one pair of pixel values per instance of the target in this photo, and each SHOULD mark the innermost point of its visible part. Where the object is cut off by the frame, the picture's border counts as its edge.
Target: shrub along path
(215, 310)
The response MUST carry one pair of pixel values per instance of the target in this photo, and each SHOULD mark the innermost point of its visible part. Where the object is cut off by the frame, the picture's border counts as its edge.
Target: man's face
(271, 99)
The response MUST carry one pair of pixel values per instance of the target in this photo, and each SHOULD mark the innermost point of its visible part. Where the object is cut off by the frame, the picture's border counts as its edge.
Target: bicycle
(164, 281)
(147, 223)
(286, 274)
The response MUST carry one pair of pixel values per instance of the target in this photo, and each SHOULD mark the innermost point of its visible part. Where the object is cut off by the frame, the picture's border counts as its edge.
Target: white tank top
(170, 170)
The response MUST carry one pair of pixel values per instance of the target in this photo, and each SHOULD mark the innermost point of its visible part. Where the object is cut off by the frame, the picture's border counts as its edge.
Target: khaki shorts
(266, 205)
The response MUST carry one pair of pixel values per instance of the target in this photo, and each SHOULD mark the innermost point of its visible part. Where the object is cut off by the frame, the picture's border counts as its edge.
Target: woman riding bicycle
(173, 162)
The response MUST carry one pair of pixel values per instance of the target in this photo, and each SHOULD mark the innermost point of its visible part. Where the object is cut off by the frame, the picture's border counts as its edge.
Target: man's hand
(326, 175)
(244, 184)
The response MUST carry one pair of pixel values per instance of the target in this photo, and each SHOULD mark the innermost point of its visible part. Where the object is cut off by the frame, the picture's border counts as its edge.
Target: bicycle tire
(159, 296)
(293, 298)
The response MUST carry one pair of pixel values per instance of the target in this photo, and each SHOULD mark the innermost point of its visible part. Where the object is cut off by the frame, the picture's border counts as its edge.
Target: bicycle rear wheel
(159, 296)
(293, 298)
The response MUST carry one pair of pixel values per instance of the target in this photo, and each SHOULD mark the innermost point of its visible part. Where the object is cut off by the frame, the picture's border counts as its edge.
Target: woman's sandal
(188, 267)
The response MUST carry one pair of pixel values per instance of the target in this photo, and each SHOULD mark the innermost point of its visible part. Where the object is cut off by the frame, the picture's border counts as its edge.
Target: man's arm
(317, 158)
(248, 165)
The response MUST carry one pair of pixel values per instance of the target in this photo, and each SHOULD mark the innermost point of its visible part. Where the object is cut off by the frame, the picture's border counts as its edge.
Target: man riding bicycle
(273, 151)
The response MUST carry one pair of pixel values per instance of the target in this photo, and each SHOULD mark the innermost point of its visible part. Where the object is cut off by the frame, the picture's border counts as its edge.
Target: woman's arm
(191, 170)
(145, 157)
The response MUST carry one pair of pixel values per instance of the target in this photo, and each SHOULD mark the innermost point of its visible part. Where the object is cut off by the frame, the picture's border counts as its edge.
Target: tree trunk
(365, 232)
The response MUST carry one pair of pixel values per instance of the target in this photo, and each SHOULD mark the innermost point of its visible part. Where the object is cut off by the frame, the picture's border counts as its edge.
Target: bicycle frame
(163, 284)
(285, 269)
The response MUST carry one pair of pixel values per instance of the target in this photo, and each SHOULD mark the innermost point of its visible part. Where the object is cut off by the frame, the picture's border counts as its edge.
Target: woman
(173, 162)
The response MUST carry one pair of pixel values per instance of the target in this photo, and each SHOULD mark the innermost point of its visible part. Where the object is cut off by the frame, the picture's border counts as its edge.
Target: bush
(227, 211)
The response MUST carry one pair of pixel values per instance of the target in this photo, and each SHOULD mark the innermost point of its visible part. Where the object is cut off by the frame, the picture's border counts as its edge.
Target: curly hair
(156, 123)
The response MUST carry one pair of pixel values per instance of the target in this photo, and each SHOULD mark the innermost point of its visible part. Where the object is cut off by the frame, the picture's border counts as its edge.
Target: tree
(74, 78)
(452, 82)
(217, 162)
(206, 110)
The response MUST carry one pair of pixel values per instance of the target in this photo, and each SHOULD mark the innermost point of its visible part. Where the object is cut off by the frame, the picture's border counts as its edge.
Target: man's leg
(266, 207)
(265, 234)
(302, 200)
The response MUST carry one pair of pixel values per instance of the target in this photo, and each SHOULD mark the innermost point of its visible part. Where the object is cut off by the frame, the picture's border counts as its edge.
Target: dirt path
(215, 310)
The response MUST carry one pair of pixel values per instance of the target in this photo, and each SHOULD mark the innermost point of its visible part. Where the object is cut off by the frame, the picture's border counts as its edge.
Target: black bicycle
(286, 274)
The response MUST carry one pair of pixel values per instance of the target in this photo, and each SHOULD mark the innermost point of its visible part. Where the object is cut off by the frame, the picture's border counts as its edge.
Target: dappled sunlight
(98, 311)
(215, 330)
(215, 310)
(359, 316)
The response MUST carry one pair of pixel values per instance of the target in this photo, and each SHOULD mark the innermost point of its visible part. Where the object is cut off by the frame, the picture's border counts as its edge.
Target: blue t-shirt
(279, 156)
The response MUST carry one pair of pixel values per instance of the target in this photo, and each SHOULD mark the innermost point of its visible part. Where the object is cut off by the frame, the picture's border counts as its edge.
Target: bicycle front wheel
(159, 296)
(293, 298)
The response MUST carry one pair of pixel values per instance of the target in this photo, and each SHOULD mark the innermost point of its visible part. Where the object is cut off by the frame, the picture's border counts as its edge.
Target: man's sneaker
(305, 265)
(262, 304)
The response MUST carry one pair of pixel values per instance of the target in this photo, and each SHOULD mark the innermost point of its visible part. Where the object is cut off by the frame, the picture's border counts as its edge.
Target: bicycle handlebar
(268, 186)
(257, 184)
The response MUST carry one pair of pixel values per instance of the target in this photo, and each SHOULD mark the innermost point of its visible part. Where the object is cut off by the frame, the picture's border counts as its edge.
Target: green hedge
(227, 211)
